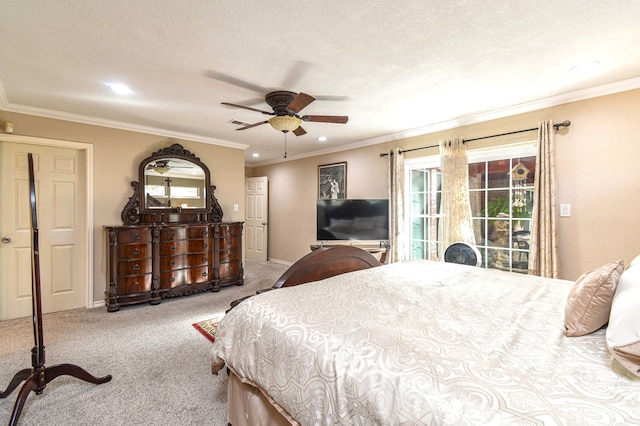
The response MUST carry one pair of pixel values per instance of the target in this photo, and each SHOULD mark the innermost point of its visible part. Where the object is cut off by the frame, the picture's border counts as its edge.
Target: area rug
(208, 328)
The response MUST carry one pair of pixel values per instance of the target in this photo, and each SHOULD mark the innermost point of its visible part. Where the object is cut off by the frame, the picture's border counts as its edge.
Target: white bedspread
(426, 343)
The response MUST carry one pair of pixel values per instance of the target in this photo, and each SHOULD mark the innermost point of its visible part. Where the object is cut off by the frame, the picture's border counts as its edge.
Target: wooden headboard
(322, 263)
(326, 262)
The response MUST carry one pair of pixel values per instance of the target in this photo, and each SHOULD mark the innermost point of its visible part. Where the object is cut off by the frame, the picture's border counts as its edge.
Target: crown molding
(83, 119)
(580, 95)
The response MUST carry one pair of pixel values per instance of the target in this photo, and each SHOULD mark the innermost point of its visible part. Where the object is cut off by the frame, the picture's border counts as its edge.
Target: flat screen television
(352, 219)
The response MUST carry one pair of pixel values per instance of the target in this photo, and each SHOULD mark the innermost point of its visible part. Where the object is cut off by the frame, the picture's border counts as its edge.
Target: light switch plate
(236, 208)
(565, 210)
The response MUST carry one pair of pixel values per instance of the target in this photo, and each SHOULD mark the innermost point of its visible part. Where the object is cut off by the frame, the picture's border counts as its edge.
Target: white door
(256, 217)
(60, 202)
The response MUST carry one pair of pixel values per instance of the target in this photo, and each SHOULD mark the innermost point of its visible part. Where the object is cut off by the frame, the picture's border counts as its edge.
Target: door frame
(88, 158)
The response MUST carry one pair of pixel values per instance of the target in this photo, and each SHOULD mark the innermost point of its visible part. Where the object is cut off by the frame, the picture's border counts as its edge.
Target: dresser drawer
(175, 278)
(199, 246)
(228, 231)
(134, 235)
(228, 242)
(200, 259)
(134, 251)
(198, 232)
(199, 274)
(229, 269)
(230, 255)
(134, 267)
(135, 284)
(169, 263)
(170, 248)
(173, 233)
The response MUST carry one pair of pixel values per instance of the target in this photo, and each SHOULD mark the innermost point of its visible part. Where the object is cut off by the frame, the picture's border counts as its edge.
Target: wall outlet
(565, 210)
(236, 208)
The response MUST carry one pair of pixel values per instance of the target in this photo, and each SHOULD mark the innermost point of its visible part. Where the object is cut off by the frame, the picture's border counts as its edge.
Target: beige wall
(598, 174)
(117, 154)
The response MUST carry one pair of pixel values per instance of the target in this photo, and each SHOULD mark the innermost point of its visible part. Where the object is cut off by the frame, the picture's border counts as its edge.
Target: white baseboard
(282, 262)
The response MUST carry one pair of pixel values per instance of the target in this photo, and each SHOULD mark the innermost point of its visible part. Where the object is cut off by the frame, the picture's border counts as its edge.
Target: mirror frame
(136, 210)
(174, 151)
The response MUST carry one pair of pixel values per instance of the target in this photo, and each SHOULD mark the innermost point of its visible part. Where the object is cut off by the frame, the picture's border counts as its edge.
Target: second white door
(256, 217)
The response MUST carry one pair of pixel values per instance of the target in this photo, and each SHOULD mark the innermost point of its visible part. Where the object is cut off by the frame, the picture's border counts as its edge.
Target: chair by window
(520, 258)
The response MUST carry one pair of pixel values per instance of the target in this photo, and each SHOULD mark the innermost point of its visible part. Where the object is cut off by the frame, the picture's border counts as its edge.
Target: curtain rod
(556, 126)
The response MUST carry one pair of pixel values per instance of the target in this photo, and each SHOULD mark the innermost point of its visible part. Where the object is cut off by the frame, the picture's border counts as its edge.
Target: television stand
(376, 250)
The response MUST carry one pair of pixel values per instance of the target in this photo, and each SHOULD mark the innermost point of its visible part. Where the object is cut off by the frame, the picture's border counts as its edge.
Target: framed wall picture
(332, 181)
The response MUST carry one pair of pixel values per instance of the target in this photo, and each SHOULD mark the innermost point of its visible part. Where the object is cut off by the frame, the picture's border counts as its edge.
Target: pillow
(635, 261)
(623, 332)
(589, 301)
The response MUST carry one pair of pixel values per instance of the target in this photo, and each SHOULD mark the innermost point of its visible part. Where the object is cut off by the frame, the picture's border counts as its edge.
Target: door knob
(264, 223)
(6, 240)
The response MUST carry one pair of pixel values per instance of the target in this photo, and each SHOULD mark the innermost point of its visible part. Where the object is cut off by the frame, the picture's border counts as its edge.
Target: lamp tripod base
(36, 379)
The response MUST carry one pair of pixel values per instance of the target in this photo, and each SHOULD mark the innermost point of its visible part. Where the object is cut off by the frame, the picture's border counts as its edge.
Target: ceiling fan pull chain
(285, 144)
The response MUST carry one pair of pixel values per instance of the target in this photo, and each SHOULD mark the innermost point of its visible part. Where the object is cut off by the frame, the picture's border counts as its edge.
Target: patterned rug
(208, 328)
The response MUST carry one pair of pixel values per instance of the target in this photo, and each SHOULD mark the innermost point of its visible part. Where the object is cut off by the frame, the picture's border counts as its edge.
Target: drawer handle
(136, 283)
(172, 234)
(205, 245)
(172, 262)
(205, 233)
(230, 255)
(172, 279)
(204, 258)
(204, 274)
(136, 236)
(136, 267)
(136, 251)
(172, 248)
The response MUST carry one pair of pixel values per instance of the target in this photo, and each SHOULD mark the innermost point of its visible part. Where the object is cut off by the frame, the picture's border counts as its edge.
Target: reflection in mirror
(174, 182)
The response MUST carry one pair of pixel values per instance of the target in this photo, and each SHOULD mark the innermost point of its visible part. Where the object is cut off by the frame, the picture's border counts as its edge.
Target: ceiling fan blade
(246, 107)
(225, 78)
(253, 125)
(326, 118)
(299, 131)
(296, 71)
(299, 102)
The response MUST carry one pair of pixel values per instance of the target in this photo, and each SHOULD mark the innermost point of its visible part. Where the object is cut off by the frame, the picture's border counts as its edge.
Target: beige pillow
(623, 332)
(589, 302)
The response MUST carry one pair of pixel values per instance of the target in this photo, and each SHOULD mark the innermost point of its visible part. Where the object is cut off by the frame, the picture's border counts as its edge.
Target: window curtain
(543, 249)
(455, 209)
(396, 206)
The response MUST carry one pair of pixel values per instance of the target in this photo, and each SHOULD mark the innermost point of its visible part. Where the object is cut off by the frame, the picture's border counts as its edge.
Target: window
(501, 194)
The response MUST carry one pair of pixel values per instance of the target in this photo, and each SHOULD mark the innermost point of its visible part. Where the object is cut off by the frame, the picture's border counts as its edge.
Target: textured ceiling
(395, 69)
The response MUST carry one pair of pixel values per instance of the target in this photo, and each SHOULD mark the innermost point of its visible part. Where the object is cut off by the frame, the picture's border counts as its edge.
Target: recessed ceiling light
(585, 68)
(322, 138)
(255, 155)
(120, 89)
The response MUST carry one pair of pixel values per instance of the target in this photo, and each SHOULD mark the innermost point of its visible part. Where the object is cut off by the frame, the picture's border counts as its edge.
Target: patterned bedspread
(426, 343)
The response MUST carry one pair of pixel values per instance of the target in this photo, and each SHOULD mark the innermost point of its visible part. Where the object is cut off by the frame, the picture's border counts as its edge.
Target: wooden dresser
(165, 251)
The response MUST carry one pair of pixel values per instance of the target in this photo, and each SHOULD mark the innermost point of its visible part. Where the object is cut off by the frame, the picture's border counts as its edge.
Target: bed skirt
(249, 406)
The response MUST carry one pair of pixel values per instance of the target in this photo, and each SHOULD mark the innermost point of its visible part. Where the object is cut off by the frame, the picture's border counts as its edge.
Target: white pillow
(623, 332)
(635, 261)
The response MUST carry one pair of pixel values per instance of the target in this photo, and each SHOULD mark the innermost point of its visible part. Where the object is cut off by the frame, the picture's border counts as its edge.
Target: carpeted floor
(158, 360)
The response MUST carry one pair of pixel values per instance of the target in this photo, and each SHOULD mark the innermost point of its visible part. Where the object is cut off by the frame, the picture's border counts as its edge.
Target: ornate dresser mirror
(174, 186)
(173, 241)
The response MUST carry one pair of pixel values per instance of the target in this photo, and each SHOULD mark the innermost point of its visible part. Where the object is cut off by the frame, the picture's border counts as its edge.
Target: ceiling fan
(162, 166)
(286, 106)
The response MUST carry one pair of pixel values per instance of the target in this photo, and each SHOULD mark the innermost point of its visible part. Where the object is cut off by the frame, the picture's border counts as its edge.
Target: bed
(424, 342)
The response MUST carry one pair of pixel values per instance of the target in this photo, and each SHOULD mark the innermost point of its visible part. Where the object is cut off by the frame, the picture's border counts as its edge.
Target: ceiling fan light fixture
(285, 123)
(161, 169)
